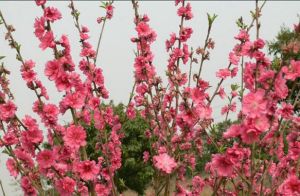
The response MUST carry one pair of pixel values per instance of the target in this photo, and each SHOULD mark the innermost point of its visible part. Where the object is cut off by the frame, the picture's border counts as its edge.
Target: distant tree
(285, 48)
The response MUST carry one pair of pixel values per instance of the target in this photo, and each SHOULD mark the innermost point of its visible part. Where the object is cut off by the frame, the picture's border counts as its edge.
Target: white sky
(116, 50)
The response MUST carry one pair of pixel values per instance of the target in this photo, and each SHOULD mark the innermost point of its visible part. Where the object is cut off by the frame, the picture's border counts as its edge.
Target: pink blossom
(146, 156)
(109, 11)
(27, 186)
(250, 135)
(291, 186)
(222, 93)
(40, 2)
(286, 111)
(75, 137)
(39, 27)
(130, 112)
(164, 163)
(52, 14)
(143, 29)
(45, 159)
(233, 58)
(222, 165)
(293, 71)
(185, 12)
(52, 69)
(185, 34)
(12, 167)
(74, 100)
(47, 41)
(88, 170)
(254, 104)
(65, 186)
(102, 190)
(232, 131)
(8, 110)
(223, 73)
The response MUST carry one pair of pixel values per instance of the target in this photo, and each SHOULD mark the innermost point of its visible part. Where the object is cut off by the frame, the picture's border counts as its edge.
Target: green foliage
(286, 47)
(278, 46)
(134, 173)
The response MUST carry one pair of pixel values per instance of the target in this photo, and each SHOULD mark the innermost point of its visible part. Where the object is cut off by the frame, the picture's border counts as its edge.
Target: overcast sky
(116, 50)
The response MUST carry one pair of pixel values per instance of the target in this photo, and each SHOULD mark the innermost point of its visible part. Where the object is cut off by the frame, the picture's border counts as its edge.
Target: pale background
(116, 51)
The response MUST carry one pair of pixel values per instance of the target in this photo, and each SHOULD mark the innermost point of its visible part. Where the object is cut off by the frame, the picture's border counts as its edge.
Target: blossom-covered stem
(99, 40)
(21, 169)
(14, 44)
(190, 69)
(177, 68)
(221, 81)
(242, 81)
(217, 88)
(203, 58)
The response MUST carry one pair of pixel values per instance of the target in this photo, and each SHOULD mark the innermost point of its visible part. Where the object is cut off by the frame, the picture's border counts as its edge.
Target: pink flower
(242, 36)
(27, 186)
(47, 41)
(143, 29)
(74, 100)
(146, 156)
(286, 111)
(12, 167)
(8, 111)
(109, 11)
(34, 135)
(65, 186)
(185, 34)
(52, 14)
(130, 112)
(45, 159)
(233, 58)
(39, 27)
(52, 69)
(102, 190)
(292, 72)
(222, 93)
(40, 2)
(75, 137)
(250, 135)
(186, 12)
(261, 123)
(223, 73)
(164, 163)
(88, 170)
(222, 165)
(254, 104)
(50, 114)
(171, 41)
(198, 185)
(233, 131)
(291, 186)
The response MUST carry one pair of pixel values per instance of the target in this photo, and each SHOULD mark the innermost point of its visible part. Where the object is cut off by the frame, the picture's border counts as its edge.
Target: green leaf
(2, 57)
(234, 87)
(211, 19)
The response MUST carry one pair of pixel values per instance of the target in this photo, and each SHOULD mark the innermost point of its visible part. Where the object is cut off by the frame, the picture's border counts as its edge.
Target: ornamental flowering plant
(257, 154)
